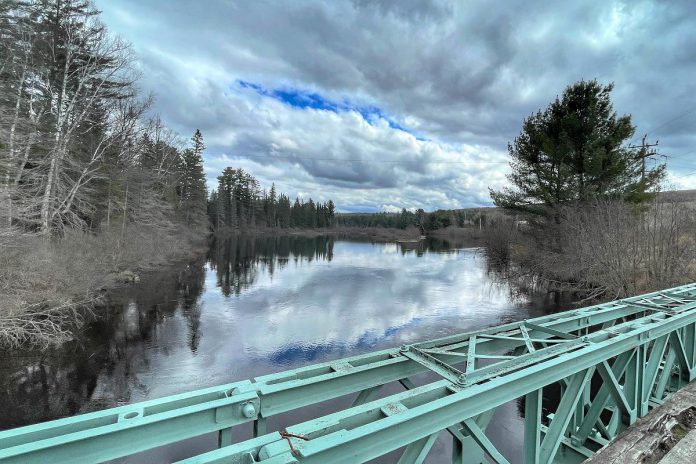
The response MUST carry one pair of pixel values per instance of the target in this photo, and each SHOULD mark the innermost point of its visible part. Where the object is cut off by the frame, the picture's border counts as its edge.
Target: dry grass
(48, 286)
(453, 233)
(612, 250)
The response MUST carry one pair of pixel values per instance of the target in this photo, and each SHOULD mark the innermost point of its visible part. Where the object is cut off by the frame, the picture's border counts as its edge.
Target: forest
(92, 186)
(79, 152)
(426, 221)
(239, 204)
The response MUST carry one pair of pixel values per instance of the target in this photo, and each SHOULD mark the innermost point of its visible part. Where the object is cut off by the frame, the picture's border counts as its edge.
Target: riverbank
(377, 234)
(48, 286)
(459, 233)
(602, 250)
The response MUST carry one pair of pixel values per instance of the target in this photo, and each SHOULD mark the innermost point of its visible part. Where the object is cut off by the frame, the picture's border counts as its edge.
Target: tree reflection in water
(237, 260)
(61, 381)
(64, 381)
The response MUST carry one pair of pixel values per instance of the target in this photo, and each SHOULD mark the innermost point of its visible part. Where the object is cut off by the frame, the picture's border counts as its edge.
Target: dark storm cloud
(461, 76)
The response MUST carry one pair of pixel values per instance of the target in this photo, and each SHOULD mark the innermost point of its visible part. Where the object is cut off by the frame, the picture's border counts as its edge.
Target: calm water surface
(260, 305)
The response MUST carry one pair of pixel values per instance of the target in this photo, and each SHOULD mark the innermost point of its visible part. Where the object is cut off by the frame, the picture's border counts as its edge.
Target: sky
(382, 104)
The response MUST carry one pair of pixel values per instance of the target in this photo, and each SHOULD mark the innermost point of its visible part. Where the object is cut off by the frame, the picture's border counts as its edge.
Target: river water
(259, 305)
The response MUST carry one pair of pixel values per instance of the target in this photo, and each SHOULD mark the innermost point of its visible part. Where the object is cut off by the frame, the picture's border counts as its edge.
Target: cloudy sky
(410, 103)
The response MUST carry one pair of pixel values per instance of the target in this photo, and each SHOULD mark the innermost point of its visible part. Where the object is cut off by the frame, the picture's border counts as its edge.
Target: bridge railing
(611, 362)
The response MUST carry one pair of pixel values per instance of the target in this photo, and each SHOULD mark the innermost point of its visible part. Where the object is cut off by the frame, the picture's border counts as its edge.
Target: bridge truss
(609, 364)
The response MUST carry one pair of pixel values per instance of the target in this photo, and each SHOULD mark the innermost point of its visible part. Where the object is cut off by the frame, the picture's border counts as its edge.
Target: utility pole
(646, 151)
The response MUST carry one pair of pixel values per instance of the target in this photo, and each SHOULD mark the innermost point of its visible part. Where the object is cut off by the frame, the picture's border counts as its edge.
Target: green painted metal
(532, 426)
(642, 348)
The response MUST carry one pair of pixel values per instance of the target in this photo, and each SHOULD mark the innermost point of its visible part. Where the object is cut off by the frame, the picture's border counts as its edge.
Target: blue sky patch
(302, 99)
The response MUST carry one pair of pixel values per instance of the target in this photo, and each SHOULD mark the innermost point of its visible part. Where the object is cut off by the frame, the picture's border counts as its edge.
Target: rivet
(249, 410)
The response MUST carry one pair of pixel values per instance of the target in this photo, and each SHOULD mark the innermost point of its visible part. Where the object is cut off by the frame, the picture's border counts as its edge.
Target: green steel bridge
(611, 364)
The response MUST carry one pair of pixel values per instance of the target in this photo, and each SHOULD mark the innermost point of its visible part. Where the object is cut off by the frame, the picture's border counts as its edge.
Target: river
(259, 305)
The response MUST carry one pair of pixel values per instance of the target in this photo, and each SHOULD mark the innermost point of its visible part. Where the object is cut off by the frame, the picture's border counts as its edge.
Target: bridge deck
(637, 350)
(651, 438)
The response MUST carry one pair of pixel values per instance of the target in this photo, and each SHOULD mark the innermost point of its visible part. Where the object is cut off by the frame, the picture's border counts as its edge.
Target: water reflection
(254, 306)
(236, 261)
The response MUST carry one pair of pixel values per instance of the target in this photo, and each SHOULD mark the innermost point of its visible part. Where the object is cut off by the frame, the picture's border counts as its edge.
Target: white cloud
(461, 76)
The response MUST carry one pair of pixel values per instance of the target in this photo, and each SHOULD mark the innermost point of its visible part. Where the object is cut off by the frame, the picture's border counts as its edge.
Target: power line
(690, 173)
(669, 121)
(683, 154)
(685, 175)
(693, 110)
(681, 163)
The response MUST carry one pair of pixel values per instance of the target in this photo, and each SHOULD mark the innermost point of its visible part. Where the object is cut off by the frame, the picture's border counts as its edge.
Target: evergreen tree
(272, 206)
(284, 211)
(228, 203)
(213, 209)
(310, 214)
(193, 193)
(331, 211)
(242, 205)
(573, 151)
(296, 214)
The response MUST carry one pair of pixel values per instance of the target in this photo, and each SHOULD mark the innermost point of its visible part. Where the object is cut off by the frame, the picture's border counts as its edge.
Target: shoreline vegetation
(602, 250)
(373, 233)
(377, 234)
(50, 287)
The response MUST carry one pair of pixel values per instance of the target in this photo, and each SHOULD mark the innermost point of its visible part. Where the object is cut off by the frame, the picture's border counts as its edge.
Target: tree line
(426, 221)
(239, 203)
(77, 149)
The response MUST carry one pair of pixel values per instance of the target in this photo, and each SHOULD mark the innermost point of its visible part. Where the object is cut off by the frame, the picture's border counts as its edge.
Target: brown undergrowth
(48, 287)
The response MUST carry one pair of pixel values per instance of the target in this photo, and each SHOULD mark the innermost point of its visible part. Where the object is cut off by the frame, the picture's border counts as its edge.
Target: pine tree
(193, 194)
(331, 210)
(242, 205)
(228, 203)
(284, 211)
(272, 206)
(213, 209)
(573, 151)
(296, 214)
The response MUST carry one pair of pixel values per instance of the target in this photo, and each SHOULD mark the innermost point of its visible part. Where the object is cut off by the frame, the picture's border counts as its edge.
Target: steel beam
(364, 433)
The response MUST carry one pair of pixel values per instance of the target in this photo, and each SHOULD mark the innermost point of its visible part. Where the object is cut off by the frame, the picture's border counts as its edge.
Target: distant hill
(679, 195)
(685, 196)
